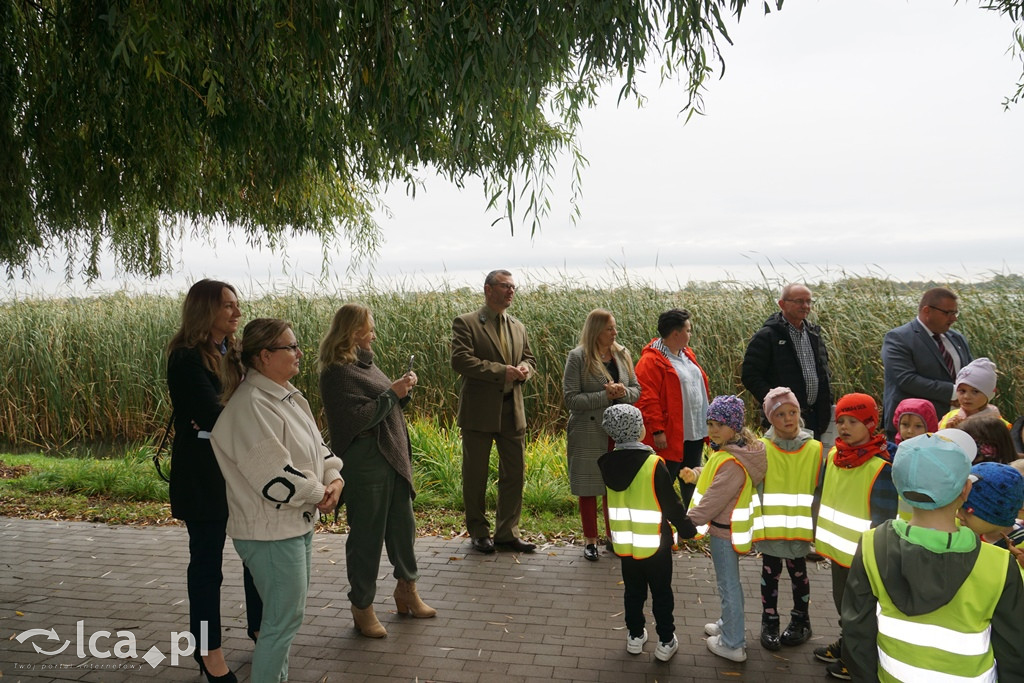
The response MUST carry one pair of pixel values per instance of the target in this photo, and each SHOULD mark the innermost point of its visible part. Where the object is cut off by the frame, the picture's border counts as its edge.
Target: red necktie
(946, 358)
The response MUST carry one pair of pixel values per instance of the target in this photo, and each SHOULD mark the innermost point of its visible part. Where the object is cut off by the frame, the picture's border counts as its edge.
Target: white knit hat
(980, 374)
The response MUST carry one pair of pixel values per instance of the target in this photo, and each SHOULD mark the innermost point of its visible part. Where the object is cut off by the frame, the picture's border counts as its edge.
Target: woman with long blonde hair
(598, 373)
(367, 428)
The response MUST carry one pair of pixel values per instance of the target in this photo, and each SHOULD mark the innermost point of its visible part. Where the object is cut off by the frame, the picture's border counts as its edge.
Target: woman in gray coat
(598, 373)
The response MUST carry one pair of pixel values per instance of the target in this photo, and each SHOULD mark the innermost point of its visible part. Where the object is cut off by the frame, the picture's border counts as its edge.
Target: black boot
(770, 633)
(798, 631)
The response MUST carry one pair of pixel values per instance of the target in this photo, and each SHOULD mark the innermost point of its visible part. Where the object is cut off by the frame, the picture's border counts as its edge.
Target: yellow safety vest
(788, 494)
(948, 416)
(635, 514)
(845, 512)
(951, 644)
(745, 522)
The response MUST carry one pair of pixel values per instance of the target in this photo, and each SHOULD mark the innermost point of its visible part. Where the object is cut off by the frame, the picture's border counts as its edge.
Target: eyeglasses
(294, 348)
(951, 314)
(505, 285)
(801, 302)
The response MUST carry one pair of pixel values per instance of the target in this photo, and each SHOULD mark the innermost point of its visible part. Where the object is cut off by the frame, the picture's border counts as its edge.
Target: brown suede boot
(408, 601)
(366, 622)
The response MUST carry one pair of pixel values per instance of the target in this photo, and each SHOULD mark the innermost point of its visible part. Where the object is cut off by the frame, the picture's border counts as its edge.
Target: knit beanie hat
(980, 373)
(860, 407)
(728, 410)
(997, 494)
(778, 397)
(623, 423)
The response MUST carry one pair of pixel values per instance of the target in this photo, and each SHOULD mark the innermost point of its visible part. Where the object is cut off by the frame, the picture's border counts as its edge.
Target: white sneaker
(713, 629)
(635, 646)
(664, 651)
(735, 654)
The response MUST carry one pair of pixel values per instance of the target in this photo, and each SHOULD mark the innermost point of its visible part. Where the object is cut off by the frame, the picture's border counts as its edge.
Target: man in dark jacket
(788, 351)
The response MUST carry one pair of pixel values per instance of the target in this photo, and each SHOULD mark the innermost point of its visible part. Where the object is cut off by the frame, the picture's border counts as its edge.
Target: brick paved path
(503, 617)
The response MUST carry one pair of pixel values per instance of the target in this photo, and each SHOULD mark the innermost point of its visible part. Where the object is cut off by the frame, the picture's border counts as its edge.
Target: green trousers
(378, 504)
(280, 570)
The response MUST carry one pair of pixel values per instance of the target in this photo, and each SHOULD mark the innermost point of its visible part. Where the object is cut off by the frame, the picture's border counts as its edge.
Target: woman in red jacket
(674, 396)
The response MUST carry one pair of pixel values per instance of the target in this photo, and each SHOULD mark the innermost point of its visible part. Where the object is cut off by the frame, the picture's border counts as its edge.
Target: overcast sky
(846, 137)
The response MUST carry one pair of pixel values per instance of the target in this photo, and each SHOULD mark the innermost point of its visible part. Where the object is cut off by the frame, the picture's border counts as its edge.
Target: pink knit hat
(776, 398)
(916, 406)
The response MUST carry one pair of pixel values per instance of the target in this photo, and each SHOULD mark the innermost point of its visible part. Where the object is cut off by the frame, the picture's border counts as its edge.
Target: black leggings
(206, 556)
(771, 568)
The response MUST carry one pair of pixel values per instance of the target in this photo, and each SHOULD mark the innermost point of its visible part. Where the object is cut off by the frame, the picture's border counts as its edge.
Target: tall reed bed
(93, 369)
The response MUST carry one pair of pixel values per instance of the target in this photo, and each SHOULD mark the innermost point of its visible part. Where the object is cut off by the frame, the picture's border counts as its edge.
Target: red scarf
(849, 457)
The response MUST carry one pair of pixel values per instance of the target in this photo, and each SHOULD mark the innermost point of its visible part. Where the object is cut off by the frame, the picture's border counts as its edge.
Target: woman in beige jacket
(279, 475)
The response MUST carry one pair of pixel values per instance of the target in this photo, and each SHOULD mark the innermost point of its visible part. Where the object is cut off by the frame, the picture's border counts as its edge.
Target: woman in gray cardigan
(364, 417)
(598, 373)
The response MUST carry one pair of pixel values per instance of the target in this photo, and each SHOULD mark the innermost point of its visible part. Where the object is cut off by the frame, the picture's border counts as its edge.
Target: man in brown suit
(491, 352)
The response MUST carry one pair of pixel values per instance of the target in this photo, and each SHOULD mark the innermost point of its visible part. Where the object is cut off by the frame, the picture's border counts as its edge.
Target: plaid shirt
(805, 353)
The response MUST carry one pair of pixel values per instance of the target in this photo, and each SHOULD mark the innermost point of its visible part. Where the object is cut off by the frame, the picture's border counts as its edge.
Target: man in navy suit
(922, 358)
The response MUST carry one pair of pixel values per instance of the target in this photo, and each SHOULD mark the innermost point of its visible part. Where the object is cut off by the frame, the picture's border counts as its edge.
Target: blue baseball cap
(930, 471)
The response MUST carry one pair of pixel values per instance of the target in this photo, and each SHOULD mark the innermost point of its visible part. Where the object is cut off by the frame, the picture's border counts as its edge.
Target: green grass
(92, 370)
(126, 489)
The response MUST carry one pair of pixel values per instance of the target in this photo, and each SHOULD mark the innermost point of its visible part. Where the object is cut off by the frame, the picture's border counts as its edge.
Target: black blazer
(197, 486)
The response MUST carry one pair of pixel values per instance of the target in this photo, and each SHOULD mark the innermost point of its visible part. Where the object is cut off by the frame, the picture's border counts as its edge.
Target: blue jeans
(281, 571)
(730, 591)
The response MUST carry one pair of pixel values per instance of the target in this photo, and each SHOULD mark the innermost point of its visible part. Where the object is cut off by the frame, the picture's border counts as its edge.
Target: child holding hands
(726, 502)
(641, 501)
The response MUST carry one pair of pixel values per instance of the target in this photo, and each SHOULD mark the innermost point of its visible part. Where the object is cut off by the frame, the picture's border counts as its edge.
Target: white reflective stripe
(622, 537)
(618, 513)
(636, 540)
(741, 539)
(703, 529)
(793, 499)
(646, 540)
(905, 672)
(743, 514)
(844, 520)
(931, 635)
(643, 516)
(695, 499)
(646, 516)
(837, 542)
(787, 521)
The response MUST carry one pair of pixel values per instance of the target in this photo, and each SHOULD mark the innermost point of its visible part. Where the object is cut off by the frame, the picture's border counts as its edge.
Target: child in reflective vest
(795, 469)
(975, 387)
(857, 495)
(726, 506)
(993, 507)
(926, 600)
(641, 501)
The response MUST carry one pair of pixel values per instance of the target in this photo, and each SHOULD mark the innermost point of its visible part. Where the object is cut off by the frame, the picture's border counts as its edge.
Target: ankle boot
(798, 631)
(770, 633)
(366, 622)
(408, 601)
